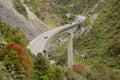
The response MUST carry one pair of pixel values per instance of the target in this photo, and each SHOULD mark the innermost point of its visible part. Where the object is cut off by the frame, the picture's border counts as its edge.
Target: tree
(41, 67)
(101, 72)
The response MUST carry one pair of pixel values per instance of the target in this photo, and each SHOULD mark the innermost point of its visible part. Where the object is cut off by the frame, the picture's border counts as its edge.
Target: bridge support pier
(45, 53)
(70, 50)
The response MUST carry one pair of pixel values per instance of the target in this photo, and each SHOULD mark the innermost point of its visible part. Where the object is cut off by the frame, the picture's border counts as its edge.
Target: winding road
(40, 43)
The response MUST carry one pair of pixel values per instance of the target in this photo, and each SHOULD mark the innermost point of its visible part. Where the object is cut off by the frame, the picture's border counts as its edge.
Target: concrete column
(70, 50)
(45, 53)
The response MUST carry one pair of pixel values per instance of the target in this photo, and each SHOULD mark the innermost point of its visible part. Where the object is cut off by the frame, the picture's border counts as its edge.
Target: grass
(97, 45)
(49, 12)
(20, 8)
(60, 54)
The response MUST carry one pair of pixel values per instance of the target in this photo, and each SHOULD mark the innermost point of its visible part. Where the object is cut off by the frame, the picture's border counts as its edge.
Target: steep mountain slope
(13, 53)
(54, 13)
(98, 51)
(78, 6)
(58, 12)
(17, 62)
(49, 12)
(100, 46)
(63, 2)
(30, 24)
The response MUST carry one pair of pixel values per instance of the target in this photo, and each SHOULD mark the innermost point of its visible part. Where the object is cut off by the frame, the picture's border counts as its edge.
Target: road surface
(40, 43)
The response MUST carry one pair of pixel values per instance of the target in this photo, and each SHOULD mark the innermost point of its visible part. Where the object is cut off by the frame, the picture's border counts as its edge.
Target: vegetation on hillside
(9, 34)
(56, 12)
(96, 54)
(63, 2)
(98, 45)
(14, 57)
(78, 6)
(98, 50)
(17, 62)
(20, 7)
(49, 12)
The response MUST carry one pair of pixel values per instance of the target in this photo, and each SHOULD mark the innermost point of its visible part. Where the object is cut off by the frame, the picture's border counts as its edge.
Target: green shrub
(20, 7)
(100, 72)
(12, 34)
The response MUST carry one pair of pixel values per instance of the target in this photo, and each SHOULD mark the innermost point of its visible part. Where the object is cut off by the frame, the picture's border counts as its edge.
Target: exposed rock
(83, 56)
(31, 26)
(52, 62)
(71, 5)
(3, 42)
(68, 15)
(93, 18)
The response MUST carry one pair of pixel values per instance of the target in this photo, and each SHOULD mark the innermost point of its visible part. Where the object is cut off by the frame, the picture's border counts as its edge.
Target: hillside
(55, 12)
(13, 53)
(99, 41)
(78, 6)
(49, 12)
(15, 13)
(32, 13)
(100, 45)
(96, 53)
(17, 62)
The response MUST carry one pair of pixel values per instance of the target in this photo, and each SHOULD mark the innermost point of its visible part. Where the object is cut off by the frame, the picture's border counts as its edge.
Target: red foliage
(74, 66)
(16, 47)
(22, 58)
(28, 61)
(25, 65)
(77, 67)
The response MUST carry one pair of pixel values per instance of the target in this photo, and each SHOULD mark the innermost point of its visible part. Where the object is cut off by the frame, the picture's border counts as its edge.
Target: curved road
(40, 43)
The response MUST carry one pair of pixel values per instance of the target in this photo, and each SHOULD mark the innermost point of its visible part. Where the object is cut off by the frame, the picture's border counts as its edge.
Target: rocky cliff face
(31, 25)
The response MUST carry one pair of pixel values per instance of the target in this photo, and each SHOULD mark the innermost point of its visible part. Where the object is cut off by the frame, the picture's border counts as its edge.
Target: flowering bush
(21, 55)
(78, 67)
(16, 47)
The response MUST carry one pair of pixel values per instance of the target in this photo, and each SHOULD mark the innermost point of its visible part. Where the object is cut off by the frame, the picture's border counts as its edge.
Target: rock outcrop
(31, 25)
